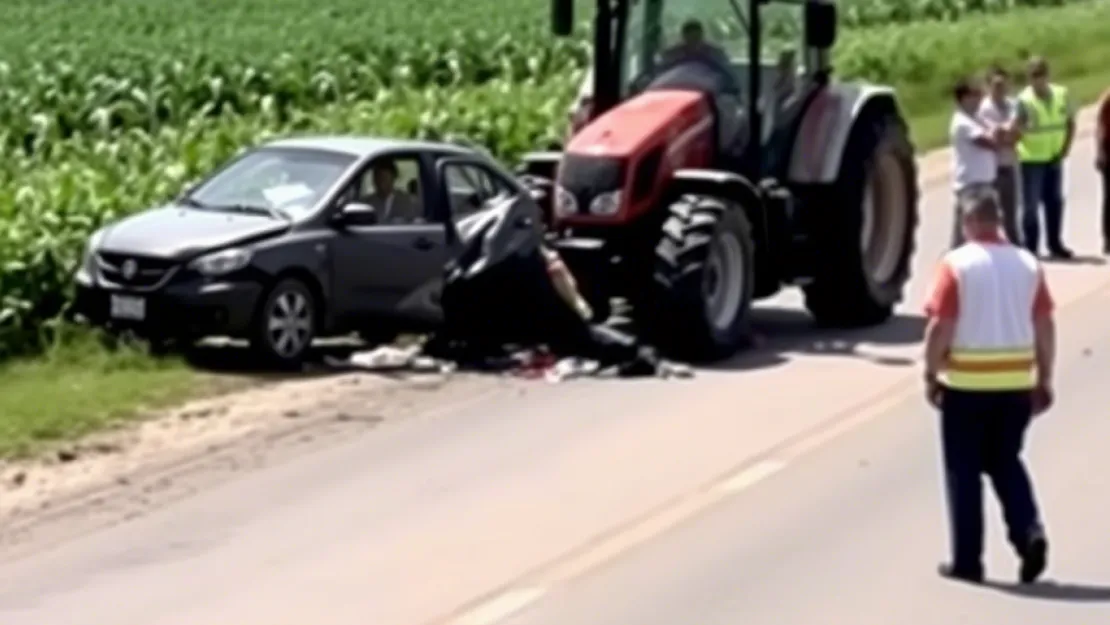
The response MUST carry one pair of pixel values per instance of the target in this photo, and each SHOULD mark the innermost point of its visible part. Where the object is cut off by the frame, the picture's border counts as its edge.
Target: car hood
(178, 232)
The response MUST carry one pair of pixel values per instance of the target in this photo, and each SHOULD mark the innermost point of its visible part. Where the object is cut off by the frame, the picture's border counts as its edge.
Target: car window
(292, 180)
(472, 188)
(392, 186)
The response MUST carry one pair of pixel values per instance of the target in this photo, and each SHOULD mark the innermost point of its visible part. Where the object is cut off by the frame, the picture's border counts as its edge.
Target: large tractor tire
(703, 280)
(865, 239)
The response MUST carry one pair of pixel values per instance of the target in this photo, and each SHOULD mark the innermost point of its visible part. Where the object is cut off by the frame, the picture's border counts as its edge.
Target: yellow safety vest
(993, 348)
(1047, 123)
(990, 370)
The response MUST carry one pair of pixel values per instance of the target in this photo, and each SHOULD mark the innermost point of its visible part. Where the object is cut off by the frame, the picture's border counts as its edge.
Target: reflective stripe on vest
(992, 348)
(990, 369)
(1043, 138)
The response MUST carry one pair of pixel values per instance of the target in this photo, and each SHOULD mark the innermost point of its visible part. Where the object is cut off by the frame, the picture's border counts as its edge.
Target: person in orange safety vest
(989, 356)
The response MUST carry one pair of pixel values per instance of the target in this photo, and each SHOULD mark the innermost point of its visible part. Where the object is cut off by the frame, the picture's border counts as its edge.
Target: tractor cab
(754, 61)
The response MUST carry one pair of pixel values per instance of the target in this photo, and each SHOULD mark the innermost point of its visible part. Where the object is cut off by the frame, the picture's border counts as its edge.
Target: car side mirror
(357, 214)
(820, 24)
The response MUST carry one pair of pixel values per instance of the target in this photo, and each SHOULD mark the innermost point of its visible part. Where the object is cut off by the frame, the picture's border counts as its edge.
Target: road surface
(796, 484)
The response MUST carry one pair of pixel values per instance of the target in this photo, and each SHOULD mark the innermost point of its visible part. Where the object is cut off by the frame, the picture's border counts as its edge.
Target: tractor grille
(137, 272)
(587, 177)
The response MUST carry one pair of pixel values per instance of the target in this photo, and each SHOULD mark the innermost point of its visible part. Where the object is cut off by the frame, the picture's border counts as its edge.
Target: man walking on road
(1045, 144)
(989, 354)
(974, 147)
(1000, 110)
(1102, 162)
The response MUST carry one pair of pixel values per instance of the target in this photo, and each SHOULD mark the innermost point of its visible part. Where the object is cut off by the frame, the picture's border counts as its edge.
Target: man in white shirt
(393, 206)
(1001, 110)
(974, 147)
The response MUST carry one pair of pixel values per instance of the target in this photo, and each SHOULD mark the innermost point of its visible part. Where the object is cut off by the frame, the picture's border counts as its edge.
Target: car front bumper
(193, 309)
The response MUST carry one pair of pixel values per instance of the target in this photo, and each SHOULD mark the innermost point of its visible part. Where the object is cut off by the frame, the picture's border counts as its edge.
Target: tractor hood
(629, 128)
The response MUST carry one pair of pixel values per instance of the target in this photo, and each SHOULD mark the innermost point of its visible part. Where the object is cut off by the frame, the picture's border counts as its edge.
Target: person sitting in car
(392, 205)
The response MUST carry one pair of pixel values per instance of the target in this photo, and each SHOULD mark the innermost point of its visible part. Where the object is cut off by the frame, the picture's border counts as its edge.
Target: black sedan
(297, 239)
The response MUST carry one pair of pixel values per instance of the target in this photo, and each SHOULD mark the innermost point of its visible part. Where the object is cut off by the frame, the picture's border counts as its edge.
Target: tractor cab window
(663, 34)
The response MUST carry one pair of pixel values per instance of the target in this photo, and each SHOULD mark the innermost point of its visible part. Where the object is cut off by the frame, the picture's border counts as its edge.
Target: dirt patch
(120, 474)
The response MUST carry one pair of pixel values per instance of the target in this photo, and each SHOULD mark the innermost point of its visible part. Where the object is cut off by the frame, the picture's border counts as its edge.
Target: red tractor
(700, 178)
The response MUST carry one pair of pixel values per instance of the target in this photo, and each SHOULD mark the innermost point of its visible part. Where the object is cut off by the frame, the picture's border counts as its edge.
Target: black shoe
(1106, 249)
(1061, 253)
(971, 575)
(1034, 559)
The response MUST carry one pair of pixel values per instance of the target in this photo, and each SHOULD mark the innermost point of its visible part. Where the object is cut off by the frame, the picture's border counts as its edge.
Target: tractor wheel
(865, 244)
(703, 280)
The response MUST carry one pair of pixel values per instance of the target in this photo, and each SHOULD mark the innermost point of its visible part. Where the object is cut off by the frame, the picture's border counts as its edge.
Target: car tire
(285, 324)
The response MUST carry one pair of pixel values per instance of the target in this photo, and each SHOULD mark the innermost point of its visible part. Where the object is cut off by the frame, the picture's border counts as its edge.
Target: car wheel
(285, 324)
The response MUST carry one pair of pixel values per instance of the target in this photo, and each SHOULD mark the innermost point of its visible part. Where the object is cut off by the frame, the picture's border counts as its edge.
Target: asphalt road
(796, 484)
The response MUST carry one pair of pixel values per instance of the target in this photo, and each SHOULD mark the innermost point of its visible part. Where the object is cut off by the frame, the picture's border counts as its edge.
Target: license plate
(129, 308)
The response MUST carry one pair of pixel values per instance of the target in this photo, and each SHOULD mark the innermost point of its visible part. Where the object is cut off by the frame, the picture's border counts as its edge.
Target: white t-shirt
(974, 164)
(996, 115)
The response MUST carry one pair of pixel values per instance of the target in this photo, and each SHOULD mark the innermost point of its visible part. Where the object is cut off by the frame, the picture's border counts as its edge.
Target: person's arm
(978, 135)
(943, 309)
(1044, 330)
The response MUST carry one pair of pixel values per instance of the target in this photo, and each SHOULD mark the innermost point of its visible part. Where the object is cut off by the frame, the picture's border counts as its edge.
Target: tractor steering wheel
(727, 84)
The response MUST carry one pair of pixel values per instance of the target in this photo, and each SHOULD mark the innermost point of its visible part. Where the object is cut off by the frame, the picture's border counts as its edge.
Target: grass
(80, 387)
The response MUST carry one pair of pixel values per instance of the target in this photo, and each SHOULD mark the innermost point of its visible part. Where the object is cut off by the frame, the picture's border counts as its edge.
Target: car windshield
(284, 181)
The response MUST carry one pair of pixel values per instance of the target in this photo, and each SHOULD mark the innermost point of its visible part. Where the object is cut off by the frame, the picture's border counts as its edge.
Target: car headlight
(565, 203)
(87, 270)
(221, 263)
(606, 204)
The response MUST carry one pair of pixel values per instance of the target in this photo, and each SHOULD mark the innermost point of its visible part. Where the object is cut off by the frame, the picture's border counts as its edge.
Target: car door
(484, 203)
(390, 270)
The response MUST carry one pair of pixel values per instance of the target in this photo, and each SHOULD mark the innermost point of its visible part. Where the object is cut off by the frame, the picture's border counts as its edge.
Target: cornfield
(109, 107)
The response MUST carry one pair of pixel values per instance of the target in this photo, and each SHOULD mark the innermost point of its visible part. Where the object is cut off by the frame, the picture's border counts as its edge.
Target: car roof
(364, 147)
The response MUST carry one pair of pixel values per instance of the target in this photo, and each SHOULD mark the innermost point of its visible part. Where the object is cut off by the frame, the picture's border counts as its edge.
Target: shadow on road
(1078, 260)
(1054, 591)
(782, 332)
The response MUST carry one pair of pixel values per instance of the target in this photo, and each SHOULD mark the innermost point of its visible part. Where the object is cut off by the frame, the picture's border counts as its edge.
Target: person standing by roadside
(1044, 146)
(990, 349)
(1001, 110)
(1102, 162)
(974, 147)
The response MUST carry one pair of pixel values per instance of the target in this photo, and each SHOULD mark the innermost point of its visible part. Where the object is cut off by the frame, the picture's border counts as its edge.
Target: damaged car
(302, 238)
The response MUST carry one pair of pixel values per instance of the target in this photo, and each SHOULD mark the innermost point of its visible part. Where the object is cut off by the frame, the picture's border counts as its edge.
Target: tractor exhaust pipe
(562, 17)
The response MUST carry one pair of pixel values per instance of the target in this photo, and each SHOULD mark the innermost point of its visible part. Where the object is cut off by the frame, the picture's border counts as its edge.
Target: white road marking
(501, 607)
(750, 476)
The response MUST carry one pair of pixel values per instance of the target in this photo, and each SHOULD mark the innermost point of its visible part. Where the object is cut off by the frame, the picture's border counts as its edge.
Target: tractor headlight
(565, 204)
(606, 204)
(221, 263)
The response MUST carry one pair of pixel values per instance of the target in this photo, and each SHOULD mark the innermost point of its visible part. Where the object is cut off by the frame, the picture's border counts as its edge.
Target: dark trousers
(1042, 185)
(983, 433)
(1106, 206)
(1008, 194)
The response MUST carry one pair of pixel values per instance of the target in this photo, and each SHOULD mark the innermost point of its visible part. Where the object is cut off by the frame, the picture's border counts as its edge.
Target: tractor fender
(828, 121)
(542, 164)
(739, 190)
(716, 183)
